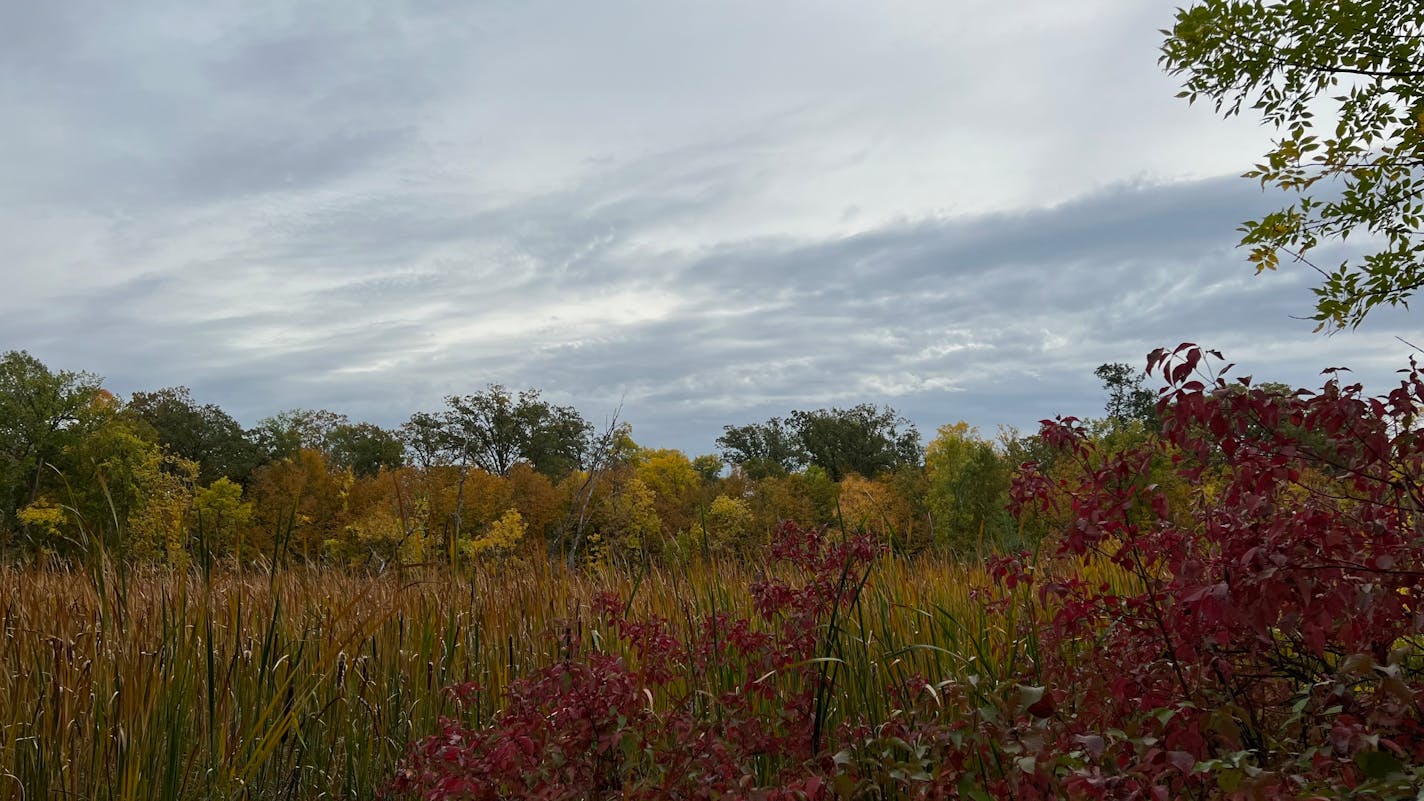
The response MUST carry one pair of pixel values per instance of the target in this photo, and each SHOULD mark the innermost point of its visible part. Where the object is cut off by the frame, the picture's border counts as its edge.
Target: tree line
(494, 474)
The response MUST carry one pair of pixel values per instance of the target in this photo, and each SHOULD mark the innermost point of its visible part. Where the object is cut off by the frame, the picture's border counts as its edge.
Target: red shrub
(1272, 648)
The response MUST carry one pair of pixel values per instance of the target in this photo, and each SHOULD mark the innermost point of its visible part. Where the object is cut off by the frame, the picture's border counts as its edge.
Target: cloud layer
(708, 214)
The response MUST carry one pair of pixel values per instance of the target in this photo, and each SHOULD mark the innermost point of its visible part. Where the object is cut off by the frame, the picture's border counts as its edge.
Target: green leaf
(1378, 764)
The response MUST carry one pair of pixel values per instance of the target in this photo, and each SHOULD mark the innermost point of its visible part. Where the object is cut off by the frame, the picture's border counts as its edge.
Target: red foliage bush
(1271, 648)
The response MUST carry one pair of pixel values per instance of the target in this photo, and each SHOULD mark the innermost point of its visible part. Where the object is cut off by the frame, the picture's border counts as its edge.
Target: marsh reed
(308, 682)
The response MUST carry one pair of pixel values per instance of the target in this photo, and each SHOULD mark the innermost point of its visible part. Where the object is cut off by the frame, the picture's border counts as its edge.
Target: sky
(693, 214)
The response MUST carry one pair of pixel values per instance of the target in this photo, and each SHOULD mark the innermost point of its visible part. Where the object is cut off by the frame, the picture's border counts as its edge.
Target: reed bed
(308, 683)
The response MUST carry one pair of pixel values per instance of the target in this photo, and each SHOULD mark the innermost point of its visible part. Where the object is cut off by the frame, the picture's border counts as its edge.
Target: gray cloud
(995, 319)
(709, 214)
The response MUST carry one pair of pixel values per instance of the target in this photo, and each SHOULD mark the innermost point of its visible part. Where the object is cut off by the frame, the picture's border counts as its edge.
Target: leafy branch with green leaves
(1342, 83)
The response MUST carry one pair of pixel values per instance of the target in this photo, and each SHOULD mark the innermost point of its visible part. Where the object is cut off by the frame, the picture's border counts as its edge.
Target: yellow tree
(161, 523)
(461, 500)
(386, 520)
(500, 538)
(486, 496)
(882, 506)
(626, 524)
(968, 484)
(676, 485)
(731, 526)
(221, 517)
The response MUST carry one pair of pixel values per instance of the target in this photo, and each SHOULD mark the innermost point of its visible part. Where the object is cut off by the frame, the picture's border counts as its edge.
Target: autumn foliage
(735, 710)
(1261, 639)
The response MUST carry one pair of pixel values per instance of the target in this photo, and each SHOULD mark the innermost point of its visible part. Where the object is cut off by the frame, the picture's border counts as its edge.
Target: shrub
(1270, 646)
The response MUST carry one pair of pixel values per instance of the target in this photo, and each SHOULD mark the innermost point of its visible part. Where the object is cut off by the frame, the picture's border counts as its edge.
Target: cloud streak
(708, 215)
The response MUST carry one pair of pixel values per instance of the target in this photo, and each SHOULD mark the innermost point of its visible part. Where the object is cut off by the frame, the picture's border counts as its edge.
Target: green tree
(283, 434)
(364, 448)
(865, 439)
(201, 433)
(41, 413)
(427, 443)
(1342, 83)
(120, 489)
(557, 438)
(709, 467)
(762, 449)
(1128, 399)
(968, 487)
(495, 430)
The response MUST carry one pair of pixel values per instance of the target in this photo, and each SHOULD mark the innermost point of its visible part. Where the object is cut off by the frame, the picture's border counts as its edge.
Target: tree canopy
(865, 439)
(201, 433)
(762, 449)
(163, 478)
(496, 429)
(1342, 83)
(42, 412)
(1127, 399)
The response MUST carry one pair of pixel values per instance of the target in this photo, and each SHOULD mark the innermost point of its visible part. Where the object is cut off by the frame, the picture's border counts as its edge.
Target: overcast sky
(711, 212)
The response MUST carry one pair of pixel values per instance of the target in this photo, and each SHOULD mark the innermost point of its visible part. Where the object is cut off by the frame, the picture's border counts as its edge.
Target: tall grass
(308, 683)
